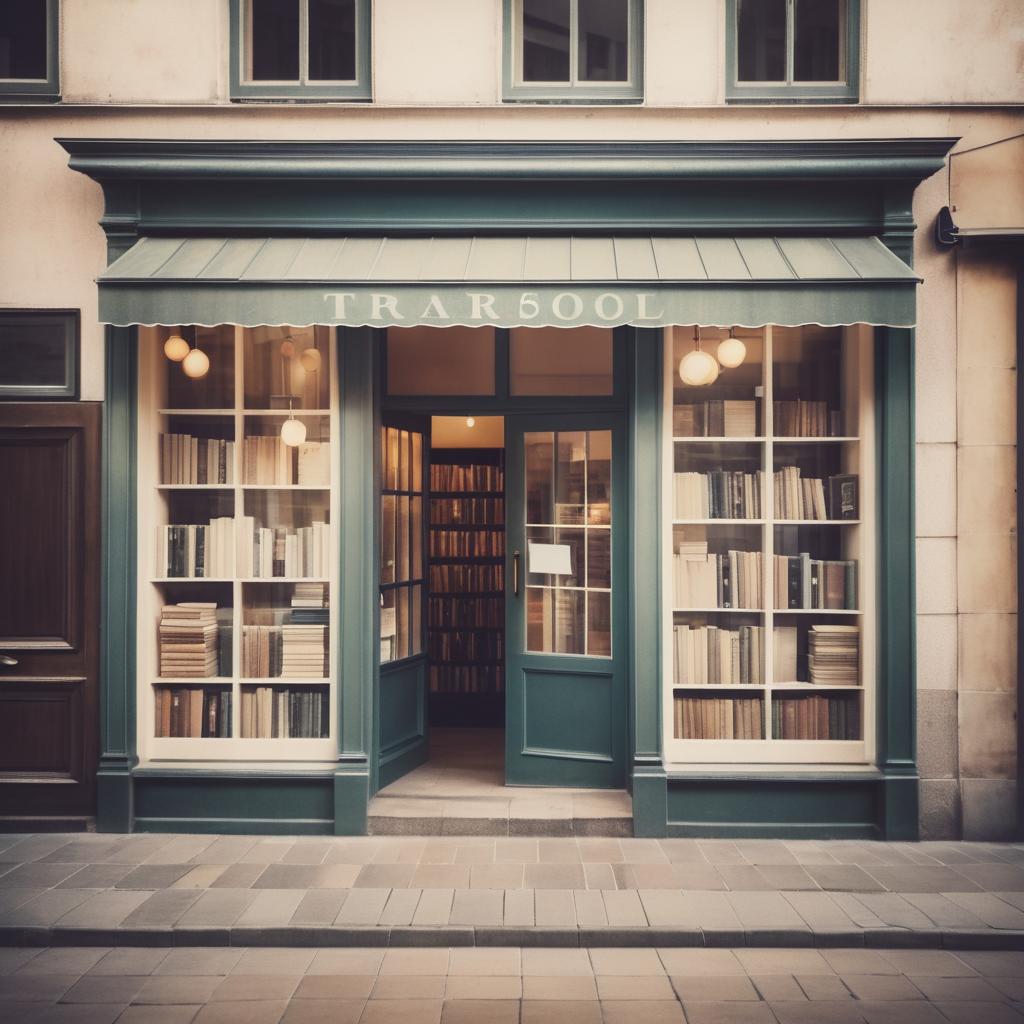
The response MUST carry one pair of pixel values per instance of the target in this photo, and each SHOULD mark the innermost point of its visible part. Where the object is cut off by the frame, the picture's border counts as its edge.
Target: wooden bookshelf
(466, 604)
(833, 367)
(246, 396)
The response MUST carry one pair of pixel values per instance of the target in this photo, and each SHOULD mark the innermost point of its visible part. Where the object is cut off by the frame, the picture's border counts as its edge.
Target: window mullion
(574, 43)
(790, 39)
(304, 42)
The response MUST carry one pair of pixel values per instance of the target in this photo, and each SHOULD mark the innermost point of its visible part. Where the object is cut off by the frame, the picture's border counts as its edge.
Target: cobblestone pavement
(89, 889)
(509, 985)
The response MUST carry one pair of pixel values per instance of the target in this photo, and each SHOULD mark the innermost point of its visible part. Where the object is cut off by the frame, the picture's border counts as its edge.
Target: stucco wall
(449, 51)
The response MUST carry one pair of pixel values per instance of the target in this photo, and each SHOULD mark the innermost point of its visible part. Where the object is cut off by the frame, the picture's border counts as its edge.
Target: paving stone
(700, 962)
(496, 876)
(319, 907)
(823, 987)
(843, 878)
(641, 987)
(242, 987)
(556, 909)
(96, 876)
(483, 987)
(199, 962)
(932, 963)
(765, 910)
(624, 909)
(162, 908)
(994, 962)
(516, 850)
(12, 959)
(221, 907)
(783, 961)
(350, 987)
(434, 907)
(241, 1013)
(486, 962)
(470, 1011)
(40, 875)
(232, 876)
(185, 990)
(900, 1013)
(558, 987)
(978, 1013)
(346, 961)
(158, 1014)
(475, 854)
(305, 851)
(34, 988)
(593, 850)
(519, 908)
(104, 910)
(415, 962)
(225, 850)
(667, 909)
(742, 878)
(203, 876)
(152, 876)
(818, 1013)
(71, 960)
(402, 1011)
(400, 907)
(992, 910)
(270, 907)
(626, 962)
(78, 1013)
(478, 907)
(716, 988)
(557, 963)
(893, 910)
(385, 876)
(274, 961)
(922, 878)
(441, 876)
(590, 912)
(631, 1011)
(782, 988)
(363, 906)
(944, 913)
(554, 876)
(957, 989)
(880, 987)
(180, 850)
(99, 989)
(993, 877)
(856, 911)
(599, 876)
(270, 851)
(47, 907)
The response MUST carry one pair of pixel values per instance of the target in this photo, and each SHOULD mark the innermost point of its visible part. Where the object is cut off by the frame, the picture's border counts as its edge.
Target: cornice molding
(905, 159)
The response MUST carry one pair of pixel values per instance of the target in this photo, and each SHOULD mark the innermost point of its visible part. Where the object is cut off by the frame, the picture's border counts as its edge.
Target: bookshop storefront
(604, 451)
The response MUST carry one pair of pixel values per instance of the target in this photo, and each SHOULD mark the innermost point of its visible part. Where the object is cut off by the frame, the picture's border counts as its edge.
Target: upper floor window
(38, 354)
(802, 51)
(28, 50)
(573, 50)
(300, 49)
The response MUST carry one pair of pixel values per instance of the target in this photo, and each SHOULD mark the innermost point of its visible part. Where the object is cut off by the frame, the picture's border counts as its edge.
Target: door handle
(6, 659)
(515, 573)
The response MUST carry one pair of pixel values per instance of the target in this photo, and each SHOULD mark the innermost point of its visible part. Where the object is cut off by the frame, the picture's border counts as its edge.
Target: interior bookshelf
(769, 551)
(238, 556)
(466, 605)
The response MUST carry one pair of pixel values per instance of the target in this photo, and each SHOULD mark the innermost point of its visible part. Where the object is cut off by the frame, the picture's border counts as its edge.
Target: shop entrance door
(566, 572)
(49, 613)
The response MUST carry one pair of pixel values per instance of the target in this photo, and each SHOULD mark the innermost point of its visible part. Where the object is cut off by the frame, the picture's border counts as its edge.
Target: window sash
(41, 89)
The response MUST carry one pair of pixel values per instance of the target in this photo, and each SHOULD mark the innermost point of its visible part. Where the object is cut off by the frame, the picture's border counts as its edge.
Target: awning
(649, 281)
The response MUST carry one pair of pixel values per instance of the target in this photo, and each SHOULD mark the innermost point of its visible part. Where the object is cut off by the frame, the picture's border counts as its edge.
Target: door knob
(6, 659)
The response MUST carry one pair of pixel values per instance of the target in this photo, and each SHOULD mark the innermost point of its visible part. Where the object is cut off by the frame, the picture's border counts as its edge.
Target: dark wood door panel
(49, 610)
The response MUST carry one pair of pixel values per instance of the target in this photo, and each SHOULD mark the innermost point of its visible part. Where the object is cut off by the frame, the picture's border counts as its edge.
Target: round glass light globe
(470, 421)
(175, 348)
(287, 348)
(196, 364)
(698, 368)
(293, 432)
(311, 360)
(732, 352)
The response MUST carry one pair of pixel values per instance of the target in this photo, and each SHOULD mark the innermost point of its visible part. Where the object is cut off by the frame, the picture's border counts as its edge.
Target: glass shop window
(38, 355)
(28, 44)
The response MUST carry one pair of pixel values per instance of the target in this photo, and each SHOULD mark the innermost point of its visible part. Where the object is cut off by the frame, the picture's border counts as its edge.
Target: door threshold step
(379, 824)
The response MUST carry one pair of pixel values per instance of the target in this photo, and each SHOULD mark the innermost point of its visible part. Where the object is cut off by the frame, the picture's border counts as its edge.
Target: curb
(347, 936)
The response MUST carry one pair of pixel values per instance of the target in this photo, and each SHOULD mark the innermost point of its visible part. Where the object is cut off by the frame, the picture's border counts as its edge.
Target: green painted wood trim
(46, 90)
(794, 92)
(237, 826)
(728, 830)
(119, 580)
(139, 159)
(359, 89)
(588, 93)
(358, 595)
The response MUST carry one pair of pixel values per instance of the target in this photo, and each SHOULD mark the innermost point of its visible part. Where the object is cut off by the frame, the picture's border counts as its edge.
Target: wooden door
(49, 613)
(565, 608)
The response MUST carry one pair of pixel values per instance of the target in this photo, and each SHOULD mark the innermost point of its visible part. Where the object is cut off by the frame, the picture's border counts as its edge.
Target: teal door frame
(566, 715)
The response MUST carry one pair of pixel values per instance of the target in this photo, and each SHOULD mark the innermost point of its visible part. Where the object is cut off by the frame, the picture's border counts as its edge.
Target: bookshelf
(466, 604)
(231, 517)
(769, 552)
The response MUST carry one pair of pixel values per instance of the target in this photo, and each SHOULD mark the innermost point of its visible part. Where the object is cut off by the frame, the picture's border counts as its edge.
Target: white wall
(448, 52)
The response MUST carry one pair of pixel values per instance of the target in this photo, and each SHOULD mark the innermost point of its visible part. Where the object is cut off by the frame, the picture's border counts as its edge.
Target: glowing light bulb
(196, 364)
(470, 422)
(287, 348)
(311, 360)
(698, 368)
(293, 432)
(176, 348)
(732, 352)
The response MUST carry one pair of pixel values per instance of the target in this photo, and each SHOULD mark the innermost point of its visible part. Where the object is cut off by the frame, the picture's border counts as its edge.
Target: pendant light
(698, 368)
(293, 431)
(470, 421)
(196, 363)
(732, 351)
(176, 347)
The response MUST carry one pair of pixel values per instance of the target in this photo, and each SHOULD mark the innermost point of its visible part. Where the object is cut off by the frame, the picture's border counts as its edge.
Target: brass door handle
(515, 573)
(6, 659)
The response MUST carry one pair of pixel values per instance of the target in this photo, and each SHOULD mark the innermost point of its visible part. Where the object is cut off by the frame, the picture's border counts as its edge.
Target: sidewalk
(167, 890)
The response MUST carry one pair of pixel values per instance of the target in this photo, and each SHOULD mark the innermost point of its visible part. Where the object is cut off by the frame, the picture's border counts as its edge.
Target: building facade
(737, 530)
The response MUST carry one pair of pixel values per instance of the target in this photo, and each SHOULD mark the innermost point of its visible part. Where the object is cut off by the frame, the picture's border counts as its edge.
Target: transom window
(300, 49)
(28, 50)
(586, 50)
(792, 50)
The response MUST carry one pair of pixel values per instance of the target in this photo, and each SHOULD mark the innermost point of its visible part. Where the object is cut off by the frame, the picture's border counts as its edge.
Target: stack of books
(265, 553)
(798, 418)
(833, 655)
(709, 655)
(303, 651)
(812, 498)
(715, 418)
(296, 648)
(718, 718)
(720, 494)
(813, 717)
(192, 713)
(196, 551)
(188, 640)
(704, 579)
(805, 582)
(279, 713)
(185, 459)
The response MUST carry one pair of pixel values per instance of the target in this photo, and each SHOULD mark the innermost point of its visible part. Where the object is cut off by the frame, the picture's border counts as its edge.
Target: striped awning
(648, 281)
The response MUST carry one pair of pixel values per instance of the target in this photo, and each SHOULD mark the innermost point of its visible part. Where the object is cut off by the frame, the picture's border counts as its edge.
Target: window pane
(332, 40)
(441, 361)
(603, 36)
(818, 33)
(761, 40)
(561, 361)
(545, 32)
(23, 39)
(33, 355)
(274, 40)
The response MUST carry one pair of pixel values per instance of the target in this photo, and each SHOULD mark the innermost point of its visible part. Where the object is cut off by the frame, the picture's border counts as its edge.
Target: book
(717, 718)
(802, 582)
(833, 655)
(188, 640)
(816, 717)
(192, 712)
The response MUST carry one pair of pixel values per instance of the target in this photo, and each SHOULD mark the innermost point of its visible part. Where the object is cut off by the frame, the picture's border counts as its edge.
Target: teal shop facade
(166, 198)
